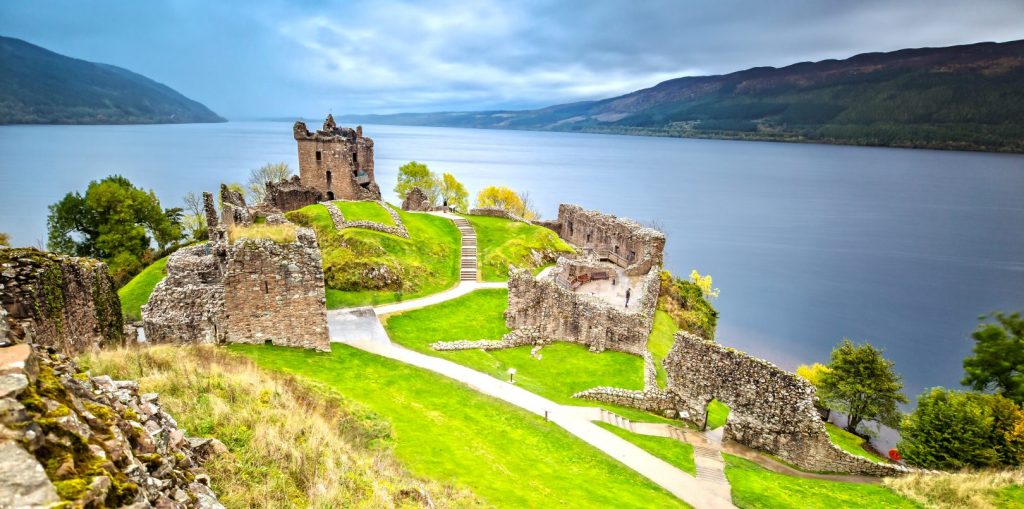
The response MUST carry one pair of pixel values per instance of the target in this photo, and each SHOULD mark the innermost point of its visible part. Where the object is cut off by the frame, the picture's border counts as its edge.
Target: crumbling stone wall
(621, 241)
(275, 293)
(770, 409)
(233, 209)
(59, 301)
(559, 313)
(291, 194)
(416, 201)
(80, 441)
(337, 161)
(341, 223)
(496, 212)
(188, 304)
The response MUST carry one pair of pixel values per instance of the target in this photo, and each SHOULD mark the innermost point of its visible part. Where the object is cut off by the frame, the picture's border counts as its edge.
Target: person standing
(627, 297)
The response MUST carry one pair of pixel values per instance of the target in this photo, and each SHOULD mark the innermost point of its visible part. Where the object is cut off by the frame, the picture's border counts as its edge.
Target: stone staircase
(467, 262)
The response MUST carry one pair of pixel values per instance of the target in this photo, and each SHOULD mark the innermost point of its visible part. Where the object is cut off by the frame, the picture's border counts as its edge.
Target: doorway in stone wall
(716, 414)
(330, 195)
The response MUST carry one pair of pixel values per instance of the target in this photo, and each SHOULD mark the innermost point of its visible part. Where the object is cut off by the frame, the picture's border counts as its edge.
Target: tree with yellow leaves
(454, 193)
(506, 199)
(704, 283)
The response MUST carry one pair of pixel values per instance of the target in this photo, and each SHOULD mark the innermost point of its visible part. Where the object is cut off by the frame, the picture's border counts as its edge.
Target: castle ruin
(336, 161)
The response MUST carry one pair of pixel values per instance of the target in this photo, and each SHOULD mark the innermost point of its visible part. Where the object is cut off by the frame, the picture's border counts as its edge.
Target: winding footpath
(361, 328)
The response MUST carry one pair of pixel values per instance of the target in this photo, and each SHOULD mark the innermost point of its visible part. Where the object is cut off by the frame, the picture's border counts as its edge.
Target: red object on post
(894, 455)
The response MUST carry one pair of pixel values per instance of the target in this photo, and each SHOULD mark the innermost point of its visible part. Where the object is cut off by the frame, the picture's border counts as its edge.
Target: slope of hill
(967, 97)
(39, 86)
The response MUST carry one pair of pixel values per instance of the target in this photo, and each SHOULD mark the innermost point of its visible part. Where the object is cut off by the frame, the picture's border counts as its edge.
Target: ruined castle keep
(249, 291)
(336, 161)
(58, 301)
(621, 241)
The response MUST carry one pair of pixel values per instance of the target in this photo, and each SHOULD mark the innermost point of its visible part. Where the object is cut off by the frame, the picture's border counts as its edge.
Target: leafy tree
(705, 285)
(5, 240)
(194, 222)
(685, 303)
(256, 186)
(115, 222)
(861, 383)
(812, 373)
(951, 430)
(998, 360)
(506, 199)
(413, 174)
(454, 193)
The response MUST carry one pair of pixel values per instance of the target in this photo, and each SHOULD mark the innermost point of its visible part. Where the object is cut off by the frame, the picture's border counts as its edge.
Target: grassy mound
(364, 211)
(850, 443)
(502, 242)
(660, 342)
(757, 487)
(676, 453)
(291, 445)
(136, 292)
(563, 369)
(446, 431)
(364, 267)
(964, 490)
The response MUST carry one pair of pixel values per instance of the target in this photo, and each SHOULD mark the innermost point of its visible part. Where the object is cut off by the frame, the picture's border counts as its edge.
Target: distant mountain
(967, 97)
(38, 86)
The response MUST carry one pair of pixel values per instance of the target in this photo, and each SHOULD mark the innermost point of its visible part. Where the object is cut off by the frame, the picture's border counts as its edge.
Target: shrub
(684, 301)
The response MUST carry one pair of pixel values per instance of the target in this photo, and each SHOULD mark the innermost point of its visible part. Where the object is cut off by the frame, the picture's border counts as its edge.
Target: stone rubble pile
(82, 441)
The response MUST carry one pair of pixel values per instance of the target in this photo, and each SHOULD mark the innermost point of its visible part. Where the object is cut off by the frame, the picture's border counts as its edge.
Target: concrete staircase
(467, 262)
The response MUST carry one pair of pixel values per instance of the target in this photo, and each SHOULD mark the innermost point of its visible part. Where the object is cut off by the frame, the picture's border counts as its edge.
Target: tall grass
(283, 233)
(975, 490)
(291, 444)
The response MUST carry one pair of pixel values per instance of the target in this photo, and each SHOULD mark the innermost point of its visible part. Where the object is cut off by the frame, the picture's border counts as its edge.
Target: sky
(285, 59)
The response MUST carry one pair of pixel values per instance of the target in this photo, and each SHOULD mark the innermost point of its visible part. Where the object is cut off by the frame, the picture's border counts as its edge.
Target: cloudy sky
(261, 59)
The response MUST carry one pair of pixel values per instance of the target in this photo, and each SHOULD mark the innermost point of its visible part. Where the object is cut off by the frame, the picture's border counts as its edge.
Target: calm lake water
(808, 243)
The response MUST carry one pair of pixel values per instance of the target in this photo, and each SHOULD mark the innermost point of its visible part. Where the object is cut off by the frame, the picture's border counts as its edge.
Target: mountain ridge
(40, 86)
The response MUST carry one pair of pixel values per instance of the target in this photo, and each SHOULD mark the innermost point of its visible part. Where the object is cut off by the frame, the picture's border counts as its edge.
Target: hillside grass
(364, 267)
(676, 453)
(502, 242)
(563, 370)
(982, 489)
(718, 413)
(851, 443)
(660, 342)
(364, 211)
(446, 431)
(291, 444)
(754, 487)
(136, 292)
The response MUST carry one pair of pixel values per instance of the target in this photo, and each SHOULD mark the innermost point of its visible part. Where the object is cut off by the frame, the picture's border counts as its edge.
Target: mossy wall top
(68, 303)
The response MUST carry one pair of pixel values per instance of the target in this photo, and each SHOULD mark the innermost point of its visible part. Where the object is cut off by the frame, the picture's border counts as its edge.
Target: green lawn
(501, 242)
(718, 413)
(850, 443)
(425, 263)
(660, 342)
(564, 368)
(757, 487)
(136, 292)
(446, 431)
(1010, 497)
(365, 211)
(674, 452)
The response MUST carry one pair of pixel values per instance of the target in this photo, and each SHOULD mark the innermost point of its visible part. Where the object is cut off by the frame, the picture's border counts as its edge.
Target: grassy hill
(43, 87)
(502, 242)
(968, 97)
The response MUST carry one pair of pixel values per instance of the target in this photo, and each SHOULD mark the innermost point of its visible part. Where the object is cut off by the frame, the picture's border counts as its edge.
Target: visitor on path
(627, 297)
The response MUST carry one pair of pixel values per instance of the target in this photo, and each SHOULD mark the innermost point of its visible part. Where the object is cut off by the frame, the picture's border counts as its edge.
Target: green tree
(998, 360)
(812, 373)
(256, 186)
(115, 222)
(861, 383)
(194, 222)
(414, 174)
(951, 430)
(506, 199)
(454, 193)
(5, 240)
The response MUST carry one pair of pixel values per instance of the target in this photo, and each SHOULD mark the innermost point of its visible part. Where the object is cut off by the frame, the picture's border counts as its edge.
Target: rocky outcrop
(63, 302)
(67, 437)
(416, 201)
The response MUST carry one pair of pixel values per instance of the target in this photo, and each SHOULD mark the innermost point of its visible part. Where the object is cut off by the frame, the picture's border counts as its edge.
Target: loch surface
(808, 243)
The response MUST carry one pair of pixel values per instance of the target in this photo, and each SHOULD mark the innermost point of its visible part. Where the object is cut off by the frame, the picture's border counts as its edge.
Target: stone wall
(81, 441)
(233, 210)
(188, 304)
(63, 302)
(770, 409)
(337, 161)
(274, 293)
(291, 194)
(496, 212)
(621, 241)
(341, 223)
(561, 314)
(416, 201)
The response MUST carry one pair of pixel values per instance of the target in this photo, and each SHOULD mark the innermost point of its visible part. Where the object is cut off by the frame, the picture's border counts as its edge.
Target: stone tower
(337, 161)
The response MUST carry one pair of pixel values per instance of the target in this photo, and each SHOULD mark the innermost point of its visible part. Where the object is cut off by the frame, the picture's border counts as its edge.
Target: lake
(808, 243)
